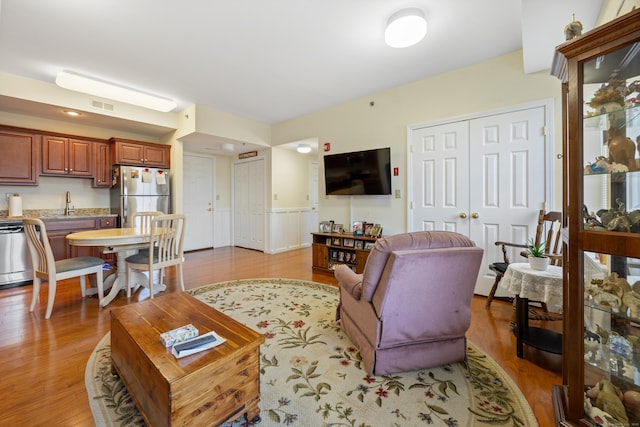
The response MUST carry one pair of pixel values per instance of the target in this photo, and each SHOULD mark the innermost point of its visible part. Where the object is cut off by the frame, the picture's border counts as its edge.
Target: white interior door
(507, 172)
(440, 175)
(199, 188)
(481, 177)
(249, 201)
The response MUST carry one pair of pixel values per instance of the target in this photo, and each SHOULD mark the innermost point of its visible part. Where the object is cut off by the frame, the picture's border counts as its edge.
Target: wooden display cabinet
(600, 73)
(332, 249)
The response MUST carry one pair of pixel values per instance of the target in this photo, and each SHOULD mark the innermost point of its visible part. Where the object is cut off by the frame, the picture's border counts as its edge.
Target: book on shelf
(197, 344)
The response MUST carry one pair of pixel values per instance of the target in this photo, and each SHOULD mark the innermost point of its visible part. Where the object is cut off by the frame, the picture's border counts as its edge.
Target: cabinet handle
(475, 215)
(462, 215)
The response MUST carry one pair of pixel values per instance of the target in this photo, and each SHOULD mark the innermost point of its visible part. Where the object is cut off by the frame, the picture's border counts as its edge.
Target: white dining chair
(165, 249)
(45, 267)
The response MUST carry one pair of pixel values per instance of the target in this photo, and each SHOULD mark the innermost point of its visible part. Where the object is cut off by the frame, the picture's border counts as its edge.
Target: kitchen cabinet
(102, 167)
(600, 71)
(332, 249)
(20, 157)
(138, 153)
(57, 230)
(66, 156)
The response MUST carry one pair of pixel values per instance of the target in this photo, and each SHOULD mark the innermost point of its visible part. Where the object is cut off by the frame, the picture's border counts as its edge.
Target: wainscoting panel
(289, 229)
(222, 227)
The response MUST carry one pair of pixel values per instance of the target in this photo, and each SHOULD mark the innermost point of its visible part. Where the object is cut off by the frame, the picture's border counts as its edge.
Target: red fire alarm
(327, 146)
(395, 171)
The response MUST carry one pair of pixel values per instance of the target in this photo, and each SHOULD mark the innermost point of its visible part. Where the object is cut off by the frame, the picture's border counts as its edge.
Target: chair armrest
(349, 280)
(513, 245)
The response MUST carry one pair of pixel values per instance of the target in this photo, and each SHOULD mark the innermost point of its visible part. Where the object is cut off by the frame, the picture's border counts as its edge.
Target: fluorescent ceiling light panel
(405, 28)
(79, 83)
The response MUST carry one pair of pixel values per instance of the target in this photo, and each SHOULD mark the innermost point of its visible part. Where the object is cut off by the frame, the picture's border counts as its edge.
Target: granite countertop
(58, 214)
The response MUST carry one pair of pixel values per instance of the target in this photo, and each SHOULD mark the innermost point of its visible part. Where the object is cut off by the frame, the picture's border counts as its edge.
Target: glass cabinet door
(610, 228)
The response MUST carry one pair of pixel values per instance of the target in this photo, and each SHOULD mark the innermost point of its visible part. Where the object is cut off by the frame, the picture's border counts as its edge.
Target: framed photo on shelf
(376, 231)
(334, 254)
(336, 241)
(356, 228)
(359, 244)
(341, 256)
(366, 228)
(348, 243)
(337, 228)
(326, 226)
(368, 246)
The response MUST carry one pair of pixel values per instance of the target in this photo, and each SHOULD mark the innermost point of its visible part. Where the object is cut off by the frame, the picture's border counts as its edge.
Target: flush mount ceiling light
(227, 146)
(405, 28)
(80, 83)
(71, 113)
(303, 148)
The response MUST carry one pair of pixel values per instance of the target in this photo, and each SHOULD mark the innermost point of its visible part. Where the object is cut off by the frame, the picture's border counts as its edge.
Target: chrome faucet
(67, 210)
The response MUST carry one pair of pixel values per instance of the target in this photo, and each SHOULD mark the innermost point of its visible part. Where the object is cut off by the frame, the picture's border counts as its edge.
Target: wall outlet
(397, 193)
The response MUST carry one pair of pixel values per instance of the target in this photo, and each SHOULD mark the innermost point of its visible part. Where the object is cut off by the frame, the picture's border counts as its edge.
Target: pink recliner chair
(410, 309)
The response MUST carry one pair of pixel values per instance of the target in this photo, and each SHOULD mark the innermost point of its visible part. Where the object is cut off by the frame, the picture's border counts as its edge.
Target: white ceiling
(270, 60)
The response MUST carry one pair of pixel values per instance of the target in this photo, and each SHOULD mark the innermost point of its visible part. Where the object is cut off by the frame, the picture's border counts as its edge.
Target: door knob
(462, 215)
(475, 215)
(209, 209)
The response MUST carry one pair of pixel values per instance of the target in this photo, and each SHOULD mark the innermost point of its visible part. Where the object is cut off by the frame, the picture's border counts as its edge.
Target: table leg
(120, 280)
(522, 323)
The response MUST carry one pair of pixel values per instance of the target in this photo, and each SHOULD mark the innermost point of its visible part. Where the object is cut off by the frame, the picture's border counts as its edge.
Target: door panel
(249, 202)
(440, 178)
(198, 202)
(510, 149)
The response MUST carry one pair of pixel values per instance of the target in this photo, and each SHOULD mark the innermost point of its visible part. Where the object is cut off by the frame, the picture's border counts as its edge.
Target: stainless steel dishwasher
(15, 261)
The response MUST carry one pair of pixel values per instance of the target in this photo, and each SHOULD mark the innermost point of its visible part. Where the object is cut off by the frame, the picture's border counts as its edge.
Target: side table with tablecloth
(529, 284)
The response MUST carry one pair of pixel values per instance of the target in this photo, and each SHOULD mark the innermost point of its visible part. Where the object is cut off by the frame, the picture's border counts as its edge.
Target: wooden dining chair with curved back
(165, 249)
(547, 231)
(142, 220)
(45, 267)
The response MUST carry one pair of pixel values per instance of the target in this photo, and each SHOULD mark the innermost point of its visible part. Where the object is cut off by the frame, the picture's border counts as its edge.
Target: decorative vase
(539, 263)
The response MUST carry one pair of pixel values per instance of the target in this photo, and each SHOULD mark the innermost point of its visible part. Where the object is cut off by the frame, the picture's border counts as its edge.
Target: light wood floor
(42, 362)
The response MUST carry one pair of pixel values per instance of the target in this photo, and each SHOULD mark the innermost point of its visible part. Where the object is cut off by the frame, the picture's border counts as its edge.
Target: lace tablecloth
(546, 286)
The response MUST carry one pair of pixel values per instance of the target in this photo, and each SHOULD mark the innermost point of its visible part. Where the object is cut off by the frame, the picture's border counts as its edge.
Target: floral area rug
(312, 375)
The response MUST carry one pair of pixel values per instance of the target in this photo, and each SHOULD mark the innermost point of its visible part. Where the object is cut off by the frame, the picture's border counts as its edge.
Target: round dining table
(121, 241)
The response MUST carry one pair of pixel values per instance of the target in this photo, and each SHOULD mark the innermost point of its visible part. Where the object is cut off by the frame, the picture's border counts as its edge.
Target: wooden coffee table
(206, 388)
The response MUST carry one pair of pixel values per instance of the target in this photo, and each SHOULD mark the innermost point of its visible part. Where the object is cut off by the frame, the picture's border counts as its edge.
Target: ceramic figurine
(573, 29)
(608, 398)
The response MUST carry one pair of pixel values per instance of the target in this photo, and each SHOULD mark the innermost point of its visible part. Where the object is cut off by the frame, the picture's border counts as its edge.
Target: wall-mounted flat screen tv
(359, 172)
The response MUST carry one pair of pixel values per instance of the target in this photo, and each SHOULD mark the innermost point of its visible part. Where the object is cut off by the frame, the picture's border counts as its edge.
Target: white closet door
(508, 190)
(483, 177)
(249, 204)
(440, 175)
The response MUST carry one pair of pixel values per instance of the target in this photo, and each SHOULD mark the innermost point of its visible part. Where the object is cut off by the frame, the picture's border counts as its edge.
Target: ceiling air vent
(102, 105)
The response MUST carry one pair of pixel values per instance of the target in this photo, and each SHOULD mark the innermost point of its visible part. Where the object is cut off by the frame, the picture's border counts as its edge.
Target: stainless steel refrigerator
(138, 189)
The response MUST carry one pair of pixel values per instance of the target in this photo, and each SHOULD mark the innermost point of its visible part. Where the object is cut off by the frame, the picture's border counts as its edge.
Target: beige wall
(493, 84)
(497, 83)
(289, 179)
